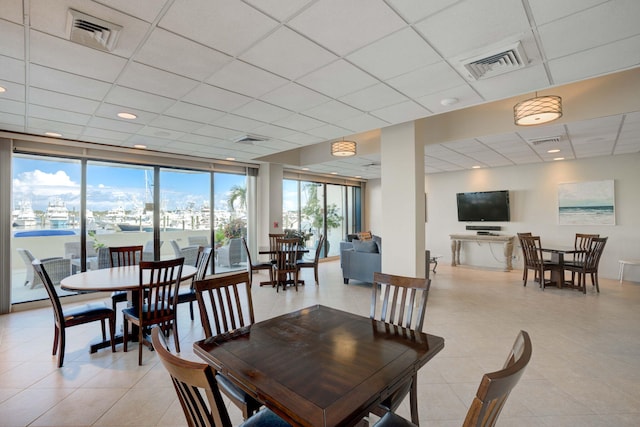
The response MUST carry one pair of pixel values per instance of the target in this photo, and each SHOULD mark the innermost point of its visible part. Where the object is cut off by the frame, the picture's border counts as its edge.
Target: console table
(457, 239)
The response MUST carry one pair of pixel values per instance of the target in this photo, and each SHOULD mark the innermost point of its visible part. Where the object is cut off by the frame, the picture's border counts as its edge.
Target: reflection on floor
(585, 368)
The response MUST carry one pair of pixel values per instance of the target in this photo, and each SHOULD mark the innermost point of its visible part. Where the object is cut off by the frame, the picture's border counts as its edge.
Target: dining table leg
(557, 275)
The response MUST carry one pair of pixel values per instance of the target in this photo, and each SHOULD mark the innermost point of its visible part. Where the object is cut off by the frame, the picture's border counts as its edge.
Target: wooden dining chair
(524, 256)
(589, 264)
(400, 301)
(199, 393)
(492, 393)
(533, 260)
(286, 268)
(74, 316)
(273, 237)
(188, 295)
(259, 266)
(121, 256)
(314, 263)
(157, 300)
(582, 243)
(225, 304)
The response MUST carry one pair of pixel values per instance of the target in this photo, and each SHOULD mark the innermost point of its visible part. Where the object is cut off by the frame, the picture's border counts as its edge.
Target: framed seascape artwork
(586, 203)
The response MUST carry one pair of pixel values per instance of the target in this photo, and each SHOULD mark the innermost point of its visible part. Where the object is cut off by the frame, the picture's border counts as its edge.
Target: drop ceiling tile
(170, 52)
(505, 85)
(67, 56)
(332, 111)
(329, 132)
(161, 133)
(58, 115)
(239, 123)
(53, 126)
(147, 10)
(10, 106)
(218, 132)
(115, 125)
(464, 94)
(414, 11)
(402, 112)
(388, 57)
(12, 39)
(272, 131)
(71, 84)
(427, 80)
(175, 124)
(458, 30)
(13, 91)
(359, 23)
(294, 97)
(594, 62)
(137, 100)
(184, 110)
(303, 139)
(337, 79)
(216, 98)
(148, 79)
(228, 26)
(300, 57)
(62, 101)
(261, 111)
(602, 24)
(362, 123)
(544, 11)
(374, 98)
(279, 9)
(246, 79)
(110, 112)
(299, 122)
(11, 69)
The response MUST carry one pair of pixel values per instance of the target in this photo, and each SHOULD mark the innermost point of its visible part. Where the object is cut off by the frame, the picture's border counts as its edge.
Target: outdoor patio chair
(57, 267)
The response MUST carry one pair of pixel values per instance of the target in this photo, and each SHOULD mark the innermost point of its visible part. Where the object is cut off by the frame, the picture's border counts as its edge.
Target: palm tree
(237, 194)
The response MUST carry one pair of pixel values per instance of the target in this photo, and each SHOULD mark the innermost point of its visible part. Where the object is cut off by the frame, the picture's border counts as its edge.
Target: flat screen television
(484, 206)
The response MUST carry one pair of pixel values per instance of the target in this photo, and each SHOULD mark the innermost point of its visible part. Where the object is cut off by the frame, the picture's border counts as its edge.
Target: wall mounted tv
(484, 206)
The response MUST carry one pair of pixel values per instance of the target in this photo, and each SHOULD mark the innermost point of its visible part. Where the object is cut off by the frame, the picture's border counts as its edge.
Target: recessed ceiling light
(53, 134)
(140, 146)
(358, 176)
(305, 169)
(555, 150)
(475, 167)
(231, 158)
(449, 101)
(2, 89)
(334, 173)
(128, 116)
(558, 158)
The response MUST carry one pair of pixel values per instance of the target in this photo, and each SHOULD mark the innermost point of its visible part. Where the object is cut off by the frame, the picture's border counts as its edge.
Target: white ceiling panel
(149, 79)
(71, 84)
(299, 122)
(59, 115)
(110, 111)
(299, 58)
(116, 125)
(184, 110)
(414, 11)
(233, 121)
(295, 97)
(170, 52)
(228, 26)
(62, 101)
(175, 124)
(427, 80)
(262, 111)
(9, 106)
(374, 97)
(388, 57)
(216, 98)
(279, 9)
(246, 79)
(408, 110)
(136, 100)
(358, 22)
(12, 39)
(337, 79)
(332, 111)
(13, 91)
(11, 69)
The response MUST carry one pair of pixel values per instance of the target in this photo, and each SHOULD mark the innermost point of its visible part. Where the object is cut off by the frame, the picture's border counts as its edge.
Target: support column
(403, 200)
(5, 225)
(269, 202)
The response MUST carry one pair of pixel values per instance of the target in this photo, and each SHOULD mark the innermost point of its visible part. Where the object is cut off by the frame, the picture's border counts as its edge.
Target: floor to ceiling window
(311, 209)
(45, 221)
(230, 220)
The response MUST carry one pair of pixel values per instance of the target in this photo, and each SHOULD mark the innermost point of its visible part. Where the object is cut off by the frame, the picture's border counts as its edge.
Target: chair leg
(175, 335)
(413, 401)
(315, 274)
(61, 350)
(140, 343)
(125, 334)
(191, 309)
(56, 338)
(112, 332)
(525, 276)
(104, 331)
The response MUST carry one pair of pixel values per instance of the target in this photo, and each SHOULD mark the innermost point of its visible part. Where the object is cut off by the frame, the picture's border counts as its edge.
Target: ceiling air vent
(249, 139)
(92, 32)
(545, 140)
(498, 62)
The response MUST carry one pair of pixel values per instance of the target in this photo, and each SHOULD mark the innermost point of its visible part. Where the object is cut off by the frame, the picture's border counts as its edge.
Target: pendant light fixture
(343, 148)
(538, 110)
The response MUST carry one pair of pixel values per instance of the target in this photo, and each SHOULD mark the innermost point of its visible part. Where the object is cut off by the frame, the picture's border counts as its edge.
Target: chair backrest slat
(159, 282)
(404, 300)
(189, 378)
(223, 304)
(121, 256)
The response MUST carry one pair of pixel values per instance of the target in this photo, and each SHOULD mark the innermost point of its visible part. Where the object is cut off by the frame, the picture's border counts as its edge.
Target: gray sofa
(360, 259)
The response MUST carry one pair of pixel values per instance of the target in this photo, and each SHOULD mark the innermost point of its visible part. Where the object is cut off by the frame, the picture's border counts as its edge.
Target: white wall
(533, 195)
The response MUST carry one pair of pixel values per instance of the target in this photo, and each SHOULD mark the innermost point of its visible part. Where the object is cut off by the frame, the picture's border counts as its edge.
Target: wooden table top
(319, 366)
(112, 279)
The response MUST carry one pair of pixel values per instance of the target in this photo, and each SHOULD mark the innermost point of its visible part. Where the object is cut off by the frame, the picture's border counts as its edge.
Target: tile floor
(585, 368)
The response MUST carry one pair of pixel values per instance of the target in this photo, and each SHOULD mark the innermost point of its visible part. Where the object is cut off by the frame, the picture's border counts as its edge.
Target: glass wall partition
(45, 222)
(230, 220)
(311, 209)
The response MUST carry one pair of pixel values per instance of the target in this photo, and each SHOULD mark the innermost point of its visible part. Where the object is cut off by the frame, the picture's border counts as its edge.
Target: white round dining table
(112, 279)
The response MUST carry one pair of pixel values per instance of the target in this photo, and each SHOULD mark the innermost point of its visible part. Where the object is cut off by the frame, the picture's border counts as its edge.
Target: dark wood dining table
(109, 280)
(557, 257)
(319, 366)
